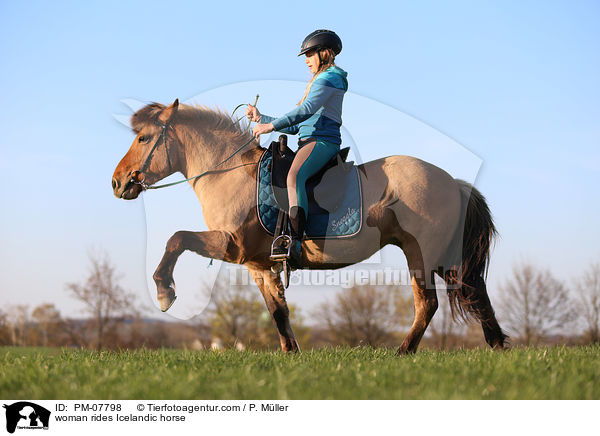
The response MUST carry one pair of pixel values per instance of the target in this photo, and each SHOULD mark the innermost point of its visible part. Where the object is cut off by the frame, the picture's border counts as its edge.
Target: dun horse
(442, 225)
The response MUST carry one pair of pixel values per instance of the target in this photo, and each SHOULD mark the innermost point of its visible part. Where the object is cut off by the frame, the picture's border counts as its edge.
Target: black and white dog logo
(26, 415)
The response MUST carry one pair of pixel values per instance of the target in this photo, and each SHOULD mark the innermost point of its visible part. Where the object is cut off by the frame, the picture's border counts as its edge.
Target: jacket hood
(338, 70)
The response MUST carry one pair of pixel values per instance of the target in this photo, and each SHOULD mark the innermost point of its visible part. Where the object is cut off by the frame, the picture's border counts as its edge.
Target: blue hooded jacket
(320, 114)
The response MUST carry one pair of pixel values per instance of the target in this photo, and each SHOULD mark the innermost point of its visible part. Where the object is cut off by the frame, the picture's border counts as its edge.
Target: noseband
(135, 175)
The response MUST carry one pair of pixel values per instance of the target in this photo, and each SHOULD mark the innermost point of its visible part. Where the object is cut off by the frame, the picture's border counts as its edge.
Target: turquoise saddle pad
(345, 221)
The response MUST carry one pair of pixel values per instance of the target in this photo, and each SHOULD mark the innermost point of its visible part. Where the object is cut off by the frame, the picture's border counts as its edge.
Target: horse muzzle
(130, 189)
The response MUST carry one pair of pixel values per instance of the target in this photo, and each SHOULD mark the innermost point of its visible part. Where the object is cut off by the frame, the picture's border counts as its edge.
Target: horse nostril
(115, 184)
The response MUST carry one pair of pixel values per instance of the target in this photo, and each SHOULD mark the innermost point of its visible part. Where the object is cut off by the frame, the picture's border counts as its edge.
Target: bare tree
(102, 295)
(237, 316)
(404, 308)
(17, 321)
(48, 319)
(362, 315)
(5, 338)
(588, 301)
(234, 313)
(73, 333)
(302, 332)
(534, 304)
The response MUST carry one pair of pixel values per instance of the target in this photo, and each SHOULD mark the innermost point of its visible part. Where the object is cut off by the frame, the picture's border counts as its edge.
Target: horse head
(152, 156)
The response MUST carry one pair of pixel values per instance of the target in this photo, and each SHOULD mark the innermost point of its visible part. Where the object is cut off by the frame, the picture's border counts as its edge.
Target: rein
(201, 174)
(163, 136)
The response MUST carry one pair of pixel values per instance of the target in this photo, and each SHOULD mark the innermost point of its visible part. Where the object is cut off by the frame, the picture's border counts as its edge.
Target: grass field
(341, 373)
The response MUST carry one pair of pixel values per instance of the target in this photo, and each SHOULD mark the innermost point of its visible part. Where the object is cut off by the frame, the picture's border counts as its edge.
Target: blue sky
(515, 83)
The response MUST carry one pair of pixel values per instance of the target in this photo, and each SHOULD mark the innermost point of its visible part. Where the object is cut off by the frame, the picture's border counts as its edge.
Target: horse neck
(227, 194)
(205, 148)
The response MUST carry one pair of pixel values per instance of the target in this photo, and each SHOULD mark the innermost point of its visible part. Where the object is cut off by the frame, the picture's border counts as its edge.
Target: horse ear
(166, 115)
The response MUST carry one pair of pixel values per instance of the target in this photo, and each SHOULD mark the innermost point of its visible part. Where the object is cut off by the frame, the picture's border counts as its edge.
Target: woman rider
(316, 120)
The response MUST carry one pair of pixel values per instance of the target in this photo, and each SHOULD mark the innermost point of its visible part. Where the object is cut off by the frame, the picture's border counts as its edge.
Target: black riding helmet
(321, 39)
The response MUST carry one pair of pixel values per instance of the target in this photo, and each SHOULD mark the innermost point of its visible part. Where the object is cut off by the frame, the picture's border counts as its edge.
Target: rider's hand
(252, 113)
(259, 129)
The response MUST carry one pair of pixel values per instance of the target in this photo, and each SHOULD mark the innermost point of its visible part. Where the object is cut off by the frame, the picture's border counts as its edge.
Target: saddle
(323, 188)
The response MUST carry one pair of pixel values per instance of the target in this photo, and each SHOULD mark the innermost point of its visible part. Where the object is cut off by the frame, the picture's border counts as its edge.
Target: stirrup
(281, 248)
(280, 253)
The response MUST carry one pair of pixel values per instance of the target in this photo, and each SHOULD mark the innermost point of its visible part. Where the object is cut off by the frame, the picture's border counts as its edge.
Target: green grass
(340, 373)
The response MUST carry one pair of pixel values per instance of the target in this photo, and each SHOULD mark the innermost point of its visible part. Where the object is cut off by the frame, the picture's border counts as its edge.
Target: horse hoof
(166, 299)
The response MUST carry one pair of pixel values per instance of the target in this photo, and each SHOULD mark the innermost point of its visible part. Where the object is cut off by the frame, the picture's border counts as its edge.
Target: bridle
(136, 173)
(163, 136)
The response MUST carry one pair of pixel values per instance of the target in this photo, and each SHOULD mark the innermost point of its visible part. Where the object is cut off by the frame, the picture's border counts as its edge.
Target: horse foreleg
(273, 292)
(214, 244)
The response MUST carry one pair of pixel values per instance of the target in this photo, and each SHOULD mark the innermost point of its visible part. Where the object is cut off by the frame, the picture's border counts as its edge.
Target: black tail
(478, 232)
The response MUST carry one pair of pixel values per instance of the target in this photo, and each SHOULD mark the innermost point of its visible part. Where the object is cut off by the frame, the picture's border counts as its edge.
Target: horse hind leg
(424, 294)
(426, 304)
(494, 335)
(470, 300)
(466, 285)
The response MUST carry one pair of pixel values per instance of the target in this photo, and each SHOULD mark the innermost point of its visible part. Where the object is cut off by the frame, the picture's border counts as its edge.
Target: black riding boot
(297, 225)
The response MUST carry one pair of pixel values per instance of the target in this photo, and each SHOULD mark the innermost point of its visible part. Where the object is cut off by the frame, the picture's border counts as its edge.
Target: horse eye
(143, 139)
